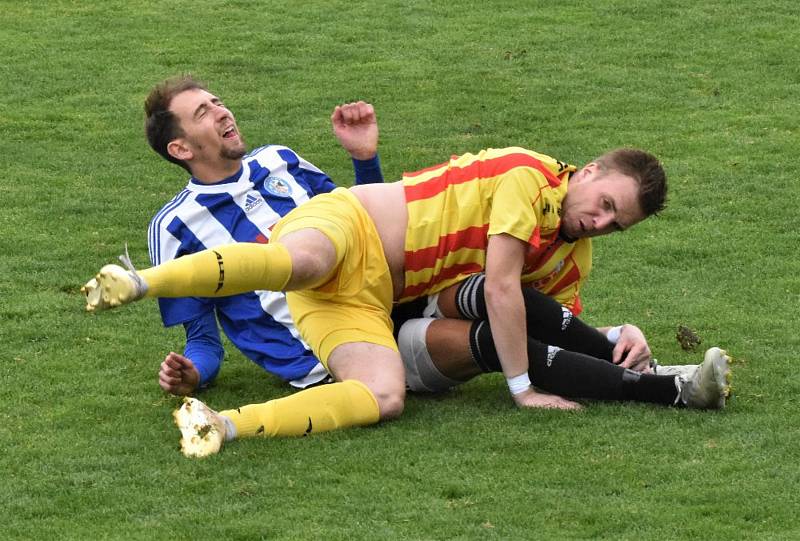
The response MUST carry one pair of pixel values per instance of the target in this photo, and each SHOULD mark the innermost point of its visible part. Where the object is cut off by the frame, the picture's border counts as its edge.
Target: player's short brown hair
(160, 125)
(645, 169)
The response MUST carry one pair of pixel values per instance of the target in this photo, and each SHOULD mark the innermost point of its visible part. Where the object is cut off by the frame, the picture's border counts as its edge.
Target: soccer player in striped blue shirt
(263, 185)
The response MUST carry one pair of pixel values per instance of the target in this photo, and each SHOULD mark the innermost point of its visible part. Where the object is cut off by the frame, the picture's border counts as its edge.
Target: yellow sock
(221, 271)
(319, 409)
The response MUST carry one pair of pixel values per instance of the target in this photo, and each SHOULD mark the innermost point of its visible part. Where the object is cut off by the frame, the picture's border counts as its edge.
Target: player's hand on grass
(536, 399)
(356, 127)
(632, 350)
(178, 375)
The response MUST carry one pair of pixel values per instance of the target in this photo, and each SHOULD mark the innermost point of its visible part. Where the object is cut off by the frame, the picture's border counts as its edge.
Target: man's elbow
(498, 291)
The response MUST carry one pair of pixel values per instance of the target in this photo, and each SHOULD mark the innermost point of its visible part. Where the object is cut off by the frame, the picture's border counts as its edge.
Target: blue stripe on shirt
(231, 216)
(261, 338)
(181, 310)
(312, 181)
(155, 226)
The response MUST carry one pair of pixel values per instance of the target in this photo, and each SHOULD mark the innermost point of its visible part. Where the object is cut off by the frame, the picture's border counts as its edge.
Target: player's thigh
(376, 366)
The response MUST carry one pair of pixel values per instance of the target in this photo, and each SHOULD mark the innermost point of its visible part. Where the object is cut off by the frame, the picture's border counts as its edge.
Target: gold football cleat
(113, 286)
(202, 430)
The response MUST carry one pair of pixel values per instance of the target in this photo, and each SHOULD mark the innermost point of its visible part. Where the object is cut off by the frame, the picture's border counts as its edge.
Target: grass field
(88, 447)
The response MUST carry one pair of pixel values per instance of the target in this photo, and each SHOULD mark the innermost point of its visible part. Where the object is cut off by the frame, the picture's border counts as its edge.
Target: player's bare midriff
(386, 205)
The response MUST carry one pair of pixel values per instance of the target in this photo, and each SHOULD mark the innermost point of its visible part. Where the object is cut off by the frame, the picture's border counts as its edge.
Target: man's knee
(378, 368)
(391, 403)
(422, 374)
(313, 255)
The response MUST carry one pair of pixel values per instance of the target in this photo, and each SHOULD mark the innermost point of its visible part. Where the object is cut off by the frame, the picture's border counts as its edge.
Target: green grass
(88, 447)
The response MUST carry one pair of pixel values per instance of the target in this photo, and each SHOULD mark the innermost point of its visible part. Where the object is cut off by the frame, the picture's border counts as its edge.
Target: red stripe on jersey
(572, 277)
(425, 258)
(477, 169)
(537, 256)
(421, 171)
(450, 272)
(577, 308)
(535, 237)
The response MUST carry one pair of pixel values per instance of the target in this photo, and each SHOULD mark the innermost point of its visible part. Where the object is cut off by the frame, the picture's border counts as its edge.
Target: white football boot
(709, 386)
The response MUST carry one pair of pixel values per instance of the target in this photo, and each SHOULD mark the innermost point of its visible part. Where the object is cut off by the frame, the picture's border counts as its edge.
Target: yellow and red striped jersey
(454, 207)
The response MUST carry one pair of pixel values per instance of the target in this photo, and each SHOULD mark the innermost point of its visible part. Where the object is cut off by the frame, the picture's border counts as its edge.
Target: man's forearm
(507, 319)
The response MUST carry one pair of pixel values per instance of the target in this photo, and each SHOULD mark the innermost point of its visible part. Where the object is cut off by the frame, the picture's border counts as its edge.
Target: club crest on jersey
(252, 200)
(277, 187)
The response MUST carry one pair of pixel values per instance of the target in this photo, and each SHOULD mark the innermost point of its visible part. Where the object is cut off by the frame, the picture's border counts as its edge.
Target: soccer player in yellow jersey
(536, 232)
(565, 356)
(345, 256)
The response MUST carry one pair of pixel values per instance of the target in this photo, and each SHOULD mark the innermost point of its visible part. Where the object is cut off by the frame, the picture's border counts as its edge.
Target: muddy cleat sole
(91, 290)
(709, 387)
(202, 430)
(113, 286)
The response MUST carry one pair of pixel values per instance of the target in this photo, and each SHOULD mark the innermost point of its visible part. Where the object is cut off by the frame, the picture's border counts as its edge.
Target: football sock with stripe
(225, 270)
(576, 375)
(547, 320)
(319, 409)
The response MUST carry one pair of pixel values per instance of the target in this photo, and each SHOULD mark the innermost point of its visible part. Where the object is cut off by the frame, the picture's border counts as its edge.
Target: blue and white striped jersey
(242, 208)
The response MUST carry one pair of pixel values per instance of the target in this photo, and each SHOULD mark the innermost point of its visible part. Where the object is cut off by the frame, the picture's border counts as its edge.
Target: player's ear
(178, 149)
(592, 168)
(587, 172)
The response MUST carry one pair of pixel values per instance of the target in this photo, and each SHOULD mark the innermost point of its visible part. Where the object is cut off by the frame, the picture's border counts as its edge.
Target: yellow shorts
(354, 305)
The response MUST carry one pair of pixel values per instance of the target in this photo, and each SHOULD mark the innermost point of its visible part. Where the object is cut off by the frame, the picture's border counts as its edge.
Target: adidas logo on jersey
(251, 202)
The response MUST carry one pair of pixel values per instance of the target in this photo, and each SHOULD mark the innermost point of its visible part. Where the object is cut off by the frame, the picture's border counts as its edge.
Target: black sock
(547, 320)
(551, 323)
(576, 375)
(481, 345)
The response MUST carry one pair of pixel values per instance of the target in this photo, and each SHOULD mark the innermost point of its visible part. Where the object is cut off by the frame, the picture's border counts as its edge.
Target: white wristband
(613, 334)
(518, 384)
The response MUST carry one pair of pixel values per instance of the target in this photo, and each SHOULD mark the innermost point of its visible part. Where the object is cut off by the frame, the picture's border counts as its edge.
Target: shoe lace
(126, 260)
(141, 286)
(680, 400)
(679, 383)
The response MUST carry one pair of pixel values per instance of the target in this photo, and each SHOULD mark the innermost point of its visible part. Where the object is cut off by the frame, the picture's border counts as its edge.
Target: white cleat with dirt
(709, 387)
(202, 429)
